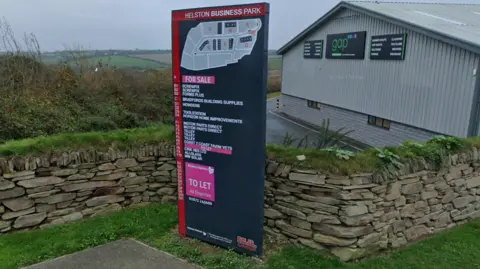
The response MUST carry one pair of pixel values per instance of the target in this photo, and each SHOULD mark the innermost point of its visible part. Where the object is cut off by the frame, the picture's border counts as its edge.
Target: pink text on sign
(200, 181)
(199, 79)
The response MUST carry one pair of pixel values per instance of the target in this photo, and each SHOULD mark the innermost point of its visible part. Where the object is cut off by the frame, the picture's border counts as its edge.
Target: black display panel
(346, 46)
(219, 68)
(313, 49)
(388, 47)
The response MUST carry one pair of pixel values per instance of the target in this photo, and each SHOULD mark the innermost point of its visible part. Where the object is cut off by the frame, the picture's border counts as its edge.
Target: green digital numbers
(339, 44)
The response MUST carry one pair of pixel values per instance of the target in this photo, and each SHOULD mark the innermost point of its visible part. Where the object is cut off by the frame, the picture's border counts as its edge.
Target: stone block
(360, 220)
(393, 191)
(428, 195)
(81, 176)
(401, 201)
(416, 232)
(88, 186)
(462, 202)
(473, 182)
(308, 179)
(40, 181)
(15, 214)
(166, 167)
(332, 240)
(310, 243)
(101, 200)
(291, 212)
(348, 254)
(126, 163)
(106, 166)
(72, 217)
(132, 181)
(355, 210)
(166, 191)
(370, 239)
(318, 206)
(412, 188)
(42, 194)
(6, 185)
(272, 214)
(319, 218)
(293, 230)
(342, 231)
(57, 198)
(18, 204)
(301, 224)
(29, 220)
(448, 197)
(45, 208)
(64, 172)
(110, 177)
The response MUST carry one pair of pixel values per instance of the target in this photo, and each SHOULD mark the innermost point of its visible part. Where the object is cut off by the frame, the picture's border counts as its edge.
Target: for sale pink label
(200, 181)
(198, 79)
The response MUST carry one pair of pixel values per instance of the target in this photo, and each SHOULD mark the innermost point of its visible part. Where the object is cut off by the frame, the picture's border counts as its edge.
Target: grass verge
(26, 248)
(97, 140)
(153, 225)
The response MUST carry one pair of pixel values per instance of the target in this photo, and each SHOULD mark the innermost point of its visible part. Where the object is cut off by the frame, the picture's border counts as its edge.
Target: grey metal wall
(432, 89)
(342, 118)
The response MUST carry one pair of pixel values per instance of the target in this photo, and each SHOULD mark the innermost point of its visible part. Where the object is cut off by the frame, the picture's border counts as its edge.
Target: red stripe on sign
(177, 96)
(255, 10)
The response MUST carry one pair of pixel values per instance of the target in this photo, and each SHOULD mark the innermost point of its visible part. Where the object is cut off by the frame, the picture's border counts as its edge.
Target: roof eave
(405, 24)
(305, 32)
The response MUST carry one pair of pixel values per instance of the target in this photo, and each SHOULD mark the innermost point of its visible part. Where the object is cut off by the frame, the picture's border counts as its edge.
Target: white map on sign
(217, 44)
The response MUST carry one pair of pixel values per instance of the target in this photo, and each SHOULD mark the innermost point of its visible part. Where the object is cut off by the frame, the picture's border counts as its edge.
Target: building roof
(456, 24)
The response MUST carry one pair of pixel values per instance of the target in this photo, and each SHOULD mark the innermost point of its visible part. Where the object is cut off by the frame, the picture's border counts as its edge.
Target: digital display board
(346, 46)
(313, 49)
(388, 47)
(219, 66)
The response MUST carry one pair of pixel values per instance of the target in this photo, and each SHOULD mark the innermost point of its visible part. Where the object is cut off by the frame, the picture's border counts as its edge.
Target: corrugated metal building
(425, 83)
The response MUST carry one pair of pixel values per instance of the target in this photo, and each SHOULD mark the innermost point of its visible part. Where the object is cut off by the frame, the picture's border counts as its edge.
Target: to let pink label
(199, 79)
(200, 181)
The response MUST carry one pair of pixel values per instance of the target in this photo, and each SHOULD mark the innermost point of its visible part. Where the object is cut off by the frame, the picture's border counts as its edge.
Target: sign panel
(220, 81)
(313, 49)
(388, 47)
(346, 46)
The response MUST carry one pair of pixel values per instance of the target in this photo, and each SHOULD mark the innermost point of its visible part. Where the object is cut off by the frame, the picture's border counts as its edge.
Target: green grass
(153, 225)
(26, 248)
(97, 140)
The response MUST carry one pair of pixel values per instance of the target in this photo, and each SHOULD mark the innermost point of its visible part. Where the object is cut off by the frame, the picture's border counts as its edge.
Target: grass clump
(96, 140)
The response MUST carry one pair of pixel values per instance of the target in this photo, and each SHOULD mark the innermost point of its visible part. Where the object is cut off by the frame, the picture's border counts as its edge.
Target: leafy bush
(340, 153)
(328, 138)
(389, 157)
(449, 143)
(37, 99)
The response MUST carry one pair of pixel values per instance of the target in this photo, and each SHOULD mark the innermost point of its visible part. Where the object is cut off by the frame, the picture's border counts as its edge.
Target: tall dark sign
(388, 47)
(346, 46)
(219, 63)
(313, 49)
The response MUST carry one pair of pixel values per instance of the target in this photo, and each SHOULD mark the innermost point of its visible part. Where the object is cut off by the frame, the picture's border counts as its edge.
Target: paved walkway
(123, 254)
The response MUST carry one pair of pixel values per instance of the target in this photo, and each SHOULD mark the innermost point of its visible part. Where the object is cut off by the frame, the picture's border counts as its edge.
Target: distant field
(274, 61)
(159, 57)
(117, 61)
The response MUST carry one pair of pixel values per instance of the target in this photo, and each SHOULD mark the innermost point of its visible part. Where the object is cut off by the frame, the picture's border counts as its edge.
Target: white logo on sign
(210, 170)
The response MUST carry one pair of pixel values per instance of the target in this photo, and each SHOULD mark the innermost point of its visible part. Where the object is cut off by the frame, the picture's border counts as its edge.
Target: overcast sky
(143, 24)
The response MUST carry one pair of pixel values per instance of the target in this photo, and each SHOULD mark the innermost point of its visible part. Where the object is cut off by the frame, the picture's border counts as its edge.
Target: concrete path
(123, 254)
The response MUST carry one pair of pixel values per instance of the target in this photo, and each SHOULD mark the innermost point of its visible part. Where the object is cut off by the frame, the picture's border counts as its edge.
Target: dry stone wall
(353, 216)
(50, 190)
